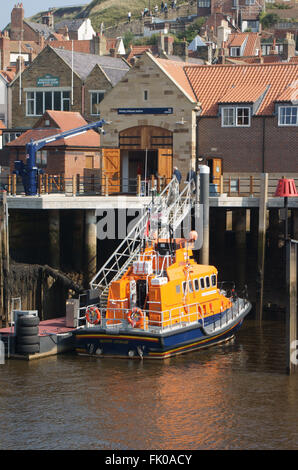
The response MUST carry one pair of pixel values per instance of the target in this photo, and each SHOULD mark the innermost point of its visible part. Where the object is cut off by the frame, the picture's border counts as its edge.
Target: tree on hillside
(268, 19)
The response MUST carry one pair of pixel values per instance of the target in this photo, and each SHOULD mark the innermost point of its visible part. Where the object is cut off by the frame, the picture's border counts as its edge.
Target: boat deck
(54, 326)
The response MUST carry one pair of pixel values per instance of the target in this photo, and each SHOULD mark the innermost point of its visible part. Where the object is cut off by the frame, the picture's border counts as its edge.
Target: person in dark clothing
(191, 176)
(177, 173)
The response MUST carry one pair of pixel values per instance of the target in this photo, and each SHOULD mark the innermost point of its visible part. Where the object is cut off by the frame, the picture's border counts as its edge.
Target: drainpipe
(83, 101)
(263, 146)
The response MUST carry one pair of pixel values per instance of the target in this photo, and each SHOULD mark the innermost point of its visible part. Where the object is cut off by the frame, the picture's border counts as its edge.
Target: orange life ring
(93, 315)
(136, 312)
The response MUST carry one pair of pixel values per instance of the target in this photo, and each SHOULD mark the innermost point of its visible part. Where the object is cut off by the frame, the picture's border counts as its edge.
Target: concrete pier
(91, 244)
(291, 262)
(261, 244)
(54, 238)
(239, 227)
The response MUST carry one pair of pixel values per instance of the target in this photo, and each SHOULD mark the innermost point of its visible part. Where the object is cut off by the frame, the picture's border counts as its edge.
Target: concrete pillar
(77, 240)
(204, 200)
(239, 227)
(220, 228)
(54, 238)
(91, 244)
(295, 223)
(291, 263)
(273, 228)
(261, 243)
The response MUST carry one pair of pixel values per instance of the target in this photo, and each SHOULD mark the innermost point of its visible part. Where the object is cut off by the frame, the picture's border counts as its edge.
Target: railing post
(138, 185)
(74, 184)
(40, 184)
(251, 186)
(229, 191)
(107, 185)
(46, 183)
(14, 185)
(9, 184)
(239, 187)
(221, 185)
(78, 183)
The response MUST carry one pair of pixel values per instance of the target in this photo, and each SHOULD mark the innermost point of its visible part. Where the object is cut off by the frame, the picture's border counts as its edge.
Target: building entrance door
(111, 169)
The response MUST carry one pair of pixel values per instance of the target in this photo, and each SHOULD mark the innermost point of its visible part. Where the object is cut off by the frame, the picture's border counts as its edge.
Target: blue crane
(29, 171)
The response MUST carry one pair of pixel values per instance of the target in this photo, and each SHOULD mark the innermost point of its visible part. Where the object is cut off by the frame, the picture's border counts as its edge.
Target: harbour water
(232, 396)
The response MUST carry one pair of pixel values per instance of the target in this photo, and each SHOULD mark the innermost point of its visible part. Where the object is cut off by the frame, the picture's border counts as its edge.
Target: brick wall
(46, 62)
(4, 51)
(95, 81)
(242, 148)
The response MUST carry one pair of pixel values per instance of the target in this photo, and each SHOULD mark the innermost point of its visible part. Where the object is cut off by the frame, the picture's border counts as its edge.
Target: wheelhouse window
(213, 280)
(96, 98)
(235, 117)
(202, 283)
(190, 287)
(207, 282)
(37, 102)
(196, 284)
(288, 116)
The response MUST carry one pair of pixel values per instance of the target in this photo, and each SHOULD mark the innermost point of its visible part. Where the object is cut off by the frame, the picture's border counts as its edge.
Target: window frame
(279, 116)
(235, 116)
(64, 100)
(202, 286)
(97, 92)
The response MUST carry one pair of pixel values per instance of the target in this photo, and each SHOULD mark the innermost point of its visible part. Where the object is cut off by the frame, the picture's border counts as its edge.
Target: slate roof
(83, 64)
(73, 25)
(43, 29)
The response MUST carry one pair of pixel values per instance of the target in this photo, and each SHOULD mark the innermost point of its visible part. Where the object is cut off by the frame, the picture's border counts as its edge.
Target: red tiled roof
(136, 51)
(289, 94)
(243, 94)
(63, 121)
(8, 75)
(211, 83)
(78, 45)
(176, 71)
(252, 42)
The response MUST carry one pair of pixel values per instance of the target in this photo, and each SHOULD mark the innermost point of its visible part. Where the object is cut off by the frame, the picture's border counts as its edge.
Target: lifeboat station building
(238, 118)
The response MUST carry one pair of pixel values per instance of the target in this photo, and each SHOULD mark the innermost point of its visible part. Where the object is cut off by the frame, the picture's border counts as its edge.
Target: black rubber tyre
(28, 340)
(27, 348)
(28, 321)
(27, 331)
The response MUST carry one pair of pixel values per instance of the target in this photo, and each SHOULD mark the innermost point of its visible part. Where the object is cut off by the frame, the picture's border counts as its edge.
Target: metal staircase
(165, 211)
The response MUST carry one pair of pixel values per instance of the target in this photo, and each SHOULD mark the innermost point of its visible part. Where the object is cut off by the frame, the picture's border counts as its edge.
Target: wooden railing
(93, 185)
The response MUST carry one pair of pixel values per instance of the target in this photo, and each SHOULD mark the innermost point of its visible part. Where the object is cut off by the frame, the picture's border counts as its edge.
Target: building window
(250, 2)
(146, 95)
(235, 51)
(204, 3)
(288, 116)
(37, 102)
(10, 136)
(42, 158)
(235, 117)
(96, 97)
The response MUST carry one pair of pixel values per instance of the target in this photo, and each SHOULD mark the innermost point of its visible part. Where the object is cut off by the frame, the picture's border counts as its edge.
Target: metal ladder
(174, 207)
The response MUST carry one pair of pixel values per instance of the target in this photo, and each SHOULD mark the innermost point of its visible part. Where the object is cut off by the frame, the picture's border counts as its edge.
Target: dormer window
(237, 116)
(235, 51)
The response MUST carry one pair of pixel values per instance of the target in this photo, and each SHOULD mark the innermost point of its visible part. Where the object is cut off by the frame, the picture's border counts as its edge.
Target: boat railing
(116, 317)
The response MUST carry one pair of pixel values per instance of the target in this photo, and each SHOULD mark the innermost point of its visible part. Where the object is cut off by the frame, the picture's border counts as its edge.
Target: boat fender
(93, 315)
(135, 317)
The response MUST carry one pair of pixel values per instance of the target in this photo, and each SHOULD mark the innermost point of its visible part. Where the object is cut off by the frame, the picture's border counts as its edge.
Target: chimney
(48, 19)
(16, 26)
(4, 51)
(272, 48)
(161, 43)
(168, 44)
(261, 60)
(41, 40)
(181, 49)
(20, 64)
(289, 47)
(98, 44)
(113, 52)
